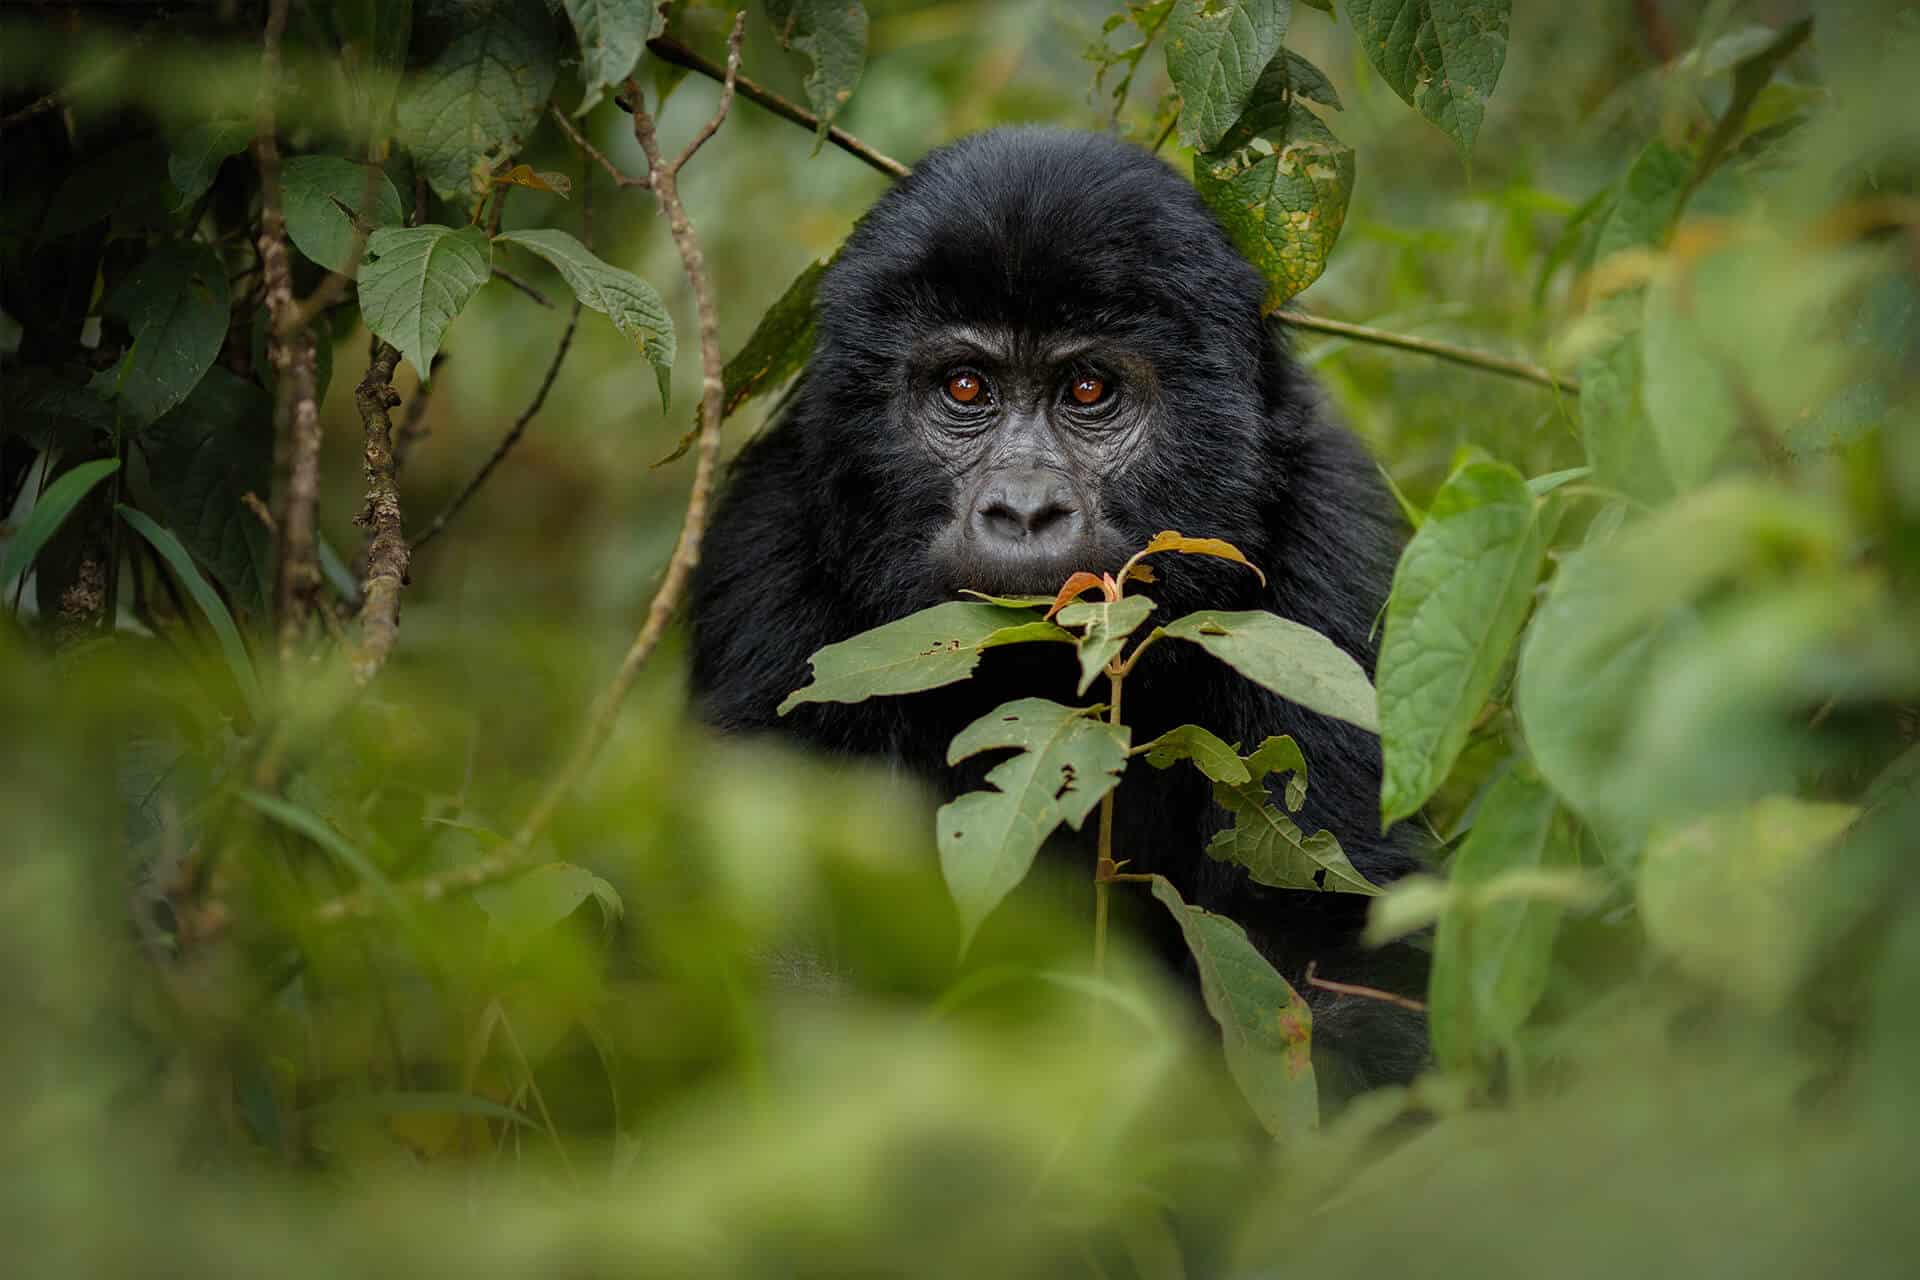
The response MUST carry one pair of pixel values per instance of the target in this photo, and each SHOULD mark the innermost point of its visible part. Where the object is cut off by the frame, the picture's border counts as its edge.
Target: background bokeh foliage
(1649, 674)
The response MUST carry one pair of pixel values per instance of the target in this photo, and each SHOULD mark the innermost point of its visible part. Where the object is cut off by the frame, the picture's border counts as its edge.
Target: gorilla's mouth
(1002, 569)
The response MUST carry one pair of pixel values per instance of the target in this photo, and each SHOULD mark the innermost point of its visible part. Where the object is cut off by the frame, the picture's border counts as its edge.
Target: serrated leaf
(1105, 624)
(416, 280)
(925, 650)
(1443, 57)
(49, 511)
(1267, 1029)
(832, 34)
(477, 102)
(196, 157)
(1218, 548)
(1279, 182)
(309, 185)
(1216, 52)
(1491, 955)
(1460, 595)
(175, 305)
(202, 457)
(1068, 759)
(1268, 843)
(612, 36)
(1287, 658)
(1209, 754)
(231, 646)
(631, 303)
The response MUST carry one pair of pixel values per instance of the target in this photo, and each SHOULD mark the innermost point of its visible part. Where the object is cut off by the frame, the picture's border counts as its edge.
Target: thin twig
(671, 50)
(1483, 360)
(1365, 993)
(334, 288)
(620, 179)
(517, 852)
(297, 442)
(508, 278)
(413, 424)
(387, 551)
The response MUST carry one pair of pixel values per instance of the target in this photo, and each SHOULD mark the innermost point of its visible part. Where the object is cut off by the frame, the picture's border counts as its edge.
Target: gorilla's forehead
(1041, 232)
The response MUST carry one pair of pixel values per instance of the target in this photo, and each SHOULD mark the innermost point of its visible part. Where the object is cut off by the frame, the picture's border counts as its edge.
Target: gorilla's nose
(1037, 508)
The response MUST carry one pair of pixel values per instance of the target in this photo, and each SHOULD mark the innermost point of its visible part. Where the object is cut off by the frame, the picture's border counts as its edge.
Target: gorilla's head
(1034, 353)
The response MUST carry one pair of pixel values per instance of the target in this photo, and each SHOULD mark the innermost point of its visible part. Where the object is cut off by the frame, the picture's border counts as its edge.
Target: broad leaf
(612, 35)
(1107, 624)
(1216, 52)
(1459, 597)
(175, 305)
(1068, 758)
(540, 898)
(1490, 958)
(1289, 659)
(415, 282)
(924, 650)
(479, 100)
(1297, 76)
(1268, 843)
(1027, 632)
(202, 459)
(231, 646)
(318, 228)
(630, 302)
(49, 511)
(1209, 754)
(1443, 57)
(832, 35)
(1750, 76)
(1279, 183)
(196, 157)
(1265, 1025)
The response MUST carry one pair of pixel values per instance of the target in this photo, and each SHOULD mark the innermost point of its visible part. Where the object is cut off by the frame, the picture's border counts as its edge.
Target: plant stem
(1103, 866)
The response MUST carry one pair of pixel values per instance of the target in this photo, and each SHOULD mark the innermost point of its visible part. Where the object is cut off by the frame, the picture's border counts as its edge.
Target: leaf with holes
(832, 35)
(1068, 759)
(630, 302)
(1268, 843)
(1209, 754)
(612, 35)
(1266, 1027)
(1279, 183)
(925, 650)
(478, 101)
(1216, 53)
(175, 305)
(318, 228)
(1460, 594)
(1107, 624)
(416, 280)
(1442, 57)
(1289, 659)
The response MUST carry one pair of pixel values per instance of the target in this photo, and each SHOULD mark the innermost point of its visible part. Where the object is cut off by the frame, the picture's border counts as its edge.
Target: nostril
(1022, 516)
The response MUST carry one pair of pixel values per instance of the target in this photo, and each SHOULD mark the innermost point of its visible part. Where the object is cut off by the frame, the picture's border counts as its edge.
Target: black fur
(825, 526)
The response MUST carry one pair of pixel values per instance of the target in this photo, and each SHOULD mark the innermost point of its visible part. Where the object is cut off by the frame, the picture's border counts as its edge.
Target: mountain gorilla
(1034, 353)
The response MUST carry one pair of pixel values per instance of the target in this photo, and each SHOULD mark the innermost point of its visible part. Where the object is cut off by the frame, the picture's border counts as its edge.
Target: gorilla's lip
(1017, 575)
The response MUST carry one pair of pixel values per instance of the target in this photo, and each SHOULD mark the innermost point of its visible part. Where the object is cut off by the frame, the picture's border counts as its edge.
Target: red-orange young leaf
(1174, 540)
(1076, 586)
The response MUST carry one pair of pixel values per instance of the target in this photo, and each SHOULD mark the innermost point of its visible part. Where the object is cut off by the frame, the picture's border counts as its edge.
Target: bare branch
(620, 179)
(387, 550)
(1365, 993)
(508, 278)
(726, 100)
(1483, 360)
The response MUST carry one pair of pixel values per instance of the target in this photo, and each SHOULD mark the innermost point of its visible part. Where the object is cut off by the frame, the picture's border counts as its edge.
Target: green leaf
(416, 280)
(1408, 905)
(832, 35)
(1107, 624)
(924, 650)
(1647, 203)
(49, 511)
(195, 158)
(1068, 759)
(1209, 754)
(1541, 486)
(630, 302)
(541, 897)
(477, 102)
(612, 36)
(1300, 78)
(202, 458)
(1268, 843)
(1009, 602)
(1287, 658)
(1216, 52)
(175, 305)
(373, 36)
(1491, 958)
(1443, 57)
(231, 646)
(1026, 632)
(317, 829)
(309, 185)
(1460, 595)
(1279, 183)
(1750, 76)
(1265, 1025)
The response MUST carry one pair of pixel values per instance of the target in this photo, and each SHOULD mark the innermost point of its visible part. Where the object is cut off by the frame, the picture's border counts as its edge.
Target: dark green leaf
(1279, 183)
(231, 646)
(612, 36)
(1292, 660)
(1216, 52)
(175, 305)
(1209, 754)
(416, 281)
(1443, 57)
(479, 100)
(52, 508)
(630, 302)
(202, 459)
(196, 158)
(924, 650)
(1107, 624)
(832, 35)
(309, 187)
(1268, 843)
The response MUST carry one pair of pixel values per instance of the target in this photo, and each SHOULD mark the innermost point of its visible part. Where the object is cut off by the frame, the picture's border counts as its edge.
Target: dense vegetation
(367, 910)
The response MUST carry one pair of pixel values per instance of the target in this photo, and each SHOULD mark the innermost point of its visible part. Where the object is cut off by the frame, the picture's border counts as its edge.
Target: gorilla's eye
(1087, 390)
(965, 387)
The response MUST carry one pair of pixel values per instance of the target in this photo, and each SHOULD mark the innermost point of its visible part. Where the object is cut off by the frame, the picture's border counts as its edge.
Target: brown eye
(965, 388)
(1088, 390)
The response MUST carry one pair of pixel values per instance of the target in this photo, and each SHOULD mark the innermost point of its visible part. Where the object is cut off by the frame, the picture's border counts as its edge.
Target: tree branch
(1483, 360)
(1364, 993)
(387, 551)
